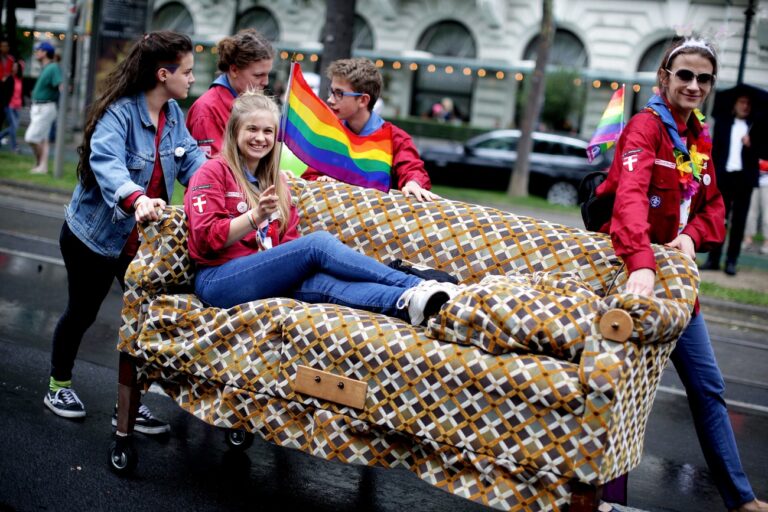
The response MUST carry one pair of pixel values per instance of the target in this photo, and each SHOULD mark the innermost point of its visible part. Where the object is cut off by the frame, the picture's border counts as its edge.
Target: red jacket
(212, 200)
(645, 182)
(207, 118)
(406, 163)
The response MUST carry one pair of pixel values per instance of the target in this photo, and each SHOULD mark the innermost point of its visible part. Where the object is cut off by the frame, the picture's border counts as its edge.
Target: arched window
(567, 51)
(173, 16)
(362, 35)
(434, 83)
(262, 20)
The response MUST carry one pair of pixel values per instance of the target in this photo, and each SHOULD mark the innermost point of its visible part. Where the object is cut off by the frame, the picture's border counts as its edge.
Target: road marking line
(729, 403)
(32, 256)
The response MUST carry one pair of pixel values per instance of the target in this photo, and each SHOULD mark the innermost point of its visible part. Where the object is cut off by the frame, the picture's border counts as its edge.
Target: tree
(518, 184)
(336, 35)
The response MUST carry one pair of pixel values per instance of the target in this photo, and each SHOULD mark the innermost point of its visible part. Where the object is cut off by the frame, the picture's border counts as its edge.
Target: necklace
(690, 167)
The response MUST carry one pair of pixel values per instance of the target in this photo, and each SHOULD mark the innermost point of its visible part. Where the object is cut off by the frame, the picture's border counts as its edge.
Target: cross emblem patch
(199, 202)
(629, 162)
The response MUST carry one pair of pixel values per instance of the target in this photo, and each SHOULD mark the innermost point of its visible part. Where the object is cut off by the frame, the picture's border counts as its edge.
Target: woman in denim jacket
(134, 147)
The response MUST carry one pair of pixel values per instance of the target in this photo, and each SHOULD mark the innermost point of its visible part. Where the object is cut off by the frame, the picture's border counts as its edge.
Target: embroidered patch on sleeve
(629, 162)
(199, 202)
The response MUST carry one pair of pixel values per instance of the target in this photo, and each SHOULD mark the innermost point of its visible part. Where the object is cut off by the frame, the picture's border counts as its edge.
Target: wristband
(251, 220)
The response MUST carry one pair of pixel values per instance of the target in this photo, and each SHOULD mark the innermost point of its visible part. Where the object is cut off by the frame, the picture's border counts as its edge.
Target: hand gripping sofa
(528, 391)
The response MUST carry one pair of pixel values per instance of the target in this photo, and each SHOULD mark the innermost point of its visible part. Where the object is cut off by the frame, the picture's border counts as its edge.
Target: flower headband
(690, 43)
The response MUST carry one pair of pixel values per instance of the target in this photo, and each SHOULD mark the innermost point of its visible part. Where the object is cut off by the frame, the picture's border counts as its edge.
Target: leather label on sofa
(331, 387)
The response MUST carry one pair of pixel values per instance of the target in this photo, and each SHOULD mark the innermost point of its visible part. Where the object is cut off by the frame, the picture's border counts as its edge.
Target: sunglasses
(686, 75)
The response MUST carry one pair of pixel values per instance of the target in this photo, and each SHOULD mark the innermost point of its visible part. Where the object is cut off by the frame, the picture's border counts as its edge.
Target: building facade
(478, 53)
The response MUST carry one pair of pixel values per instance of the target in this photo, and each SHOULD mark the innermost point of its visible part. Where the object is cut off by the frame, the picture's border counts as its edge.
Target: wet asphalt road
(47, 463)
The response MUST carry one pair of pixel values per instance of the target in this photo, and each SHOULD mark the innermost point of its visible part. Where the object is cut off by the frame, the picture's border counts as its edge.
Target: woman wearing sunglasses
(664, 187)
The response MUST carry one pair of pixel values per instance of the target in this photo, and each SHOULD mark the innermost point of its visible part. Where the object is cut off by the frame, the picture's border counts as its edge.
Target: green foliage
(739, 295)
(417, 128)
(563, 100)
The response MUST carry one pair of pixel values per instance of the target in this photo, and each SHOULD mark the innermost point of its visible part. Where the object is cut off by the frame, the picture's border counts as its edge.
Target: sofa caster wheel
(239, 439)
(122, 456)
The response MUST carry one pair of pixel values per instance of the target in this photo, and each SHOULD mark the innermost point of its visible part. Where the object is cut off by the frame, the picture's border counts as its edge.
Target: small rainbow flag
(318, 138)
(610, 126)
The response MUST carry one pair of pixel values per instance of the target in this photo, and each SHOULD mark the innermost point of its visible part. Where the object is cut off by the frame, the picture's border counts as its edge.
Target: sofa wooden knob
(616, 325)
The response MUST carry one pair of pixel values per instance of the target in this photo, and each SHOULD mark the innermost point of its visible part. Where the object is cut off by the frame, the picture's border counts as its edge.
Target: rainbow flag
(318, 138)
(610, 126)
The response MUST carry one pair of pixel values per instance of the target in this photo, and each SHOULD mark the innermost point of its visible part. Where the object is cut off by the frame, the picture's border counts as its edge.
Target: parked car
(557, 164)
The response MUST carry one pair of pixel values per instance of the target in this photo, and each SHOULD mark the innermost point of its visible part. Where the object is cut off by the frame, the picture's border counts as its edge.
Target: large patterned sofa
(528, 391)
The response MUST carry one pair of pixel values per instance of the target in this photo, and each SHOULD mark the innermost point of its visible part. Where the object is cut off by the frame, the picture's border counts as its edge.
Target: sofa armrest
(161, 265)
(620, 379)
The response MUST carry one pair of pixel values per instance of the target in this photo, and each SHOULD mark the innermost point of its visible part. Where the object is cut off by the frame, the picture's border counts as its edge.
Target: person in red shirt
(355, 87)
(13, 110)
(245, 61)
(662, 182)
(6, 77)
(244, 240)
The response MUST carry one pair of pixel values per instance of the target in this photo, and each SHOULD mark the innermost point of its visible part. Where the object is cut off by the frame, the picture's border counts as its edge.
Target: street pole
(747, 25)
(66, 64)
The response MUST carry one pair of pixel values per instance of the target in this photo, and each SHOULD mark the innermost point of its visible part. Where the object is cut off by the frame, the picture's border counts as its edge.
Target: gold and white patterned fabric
(508, 396)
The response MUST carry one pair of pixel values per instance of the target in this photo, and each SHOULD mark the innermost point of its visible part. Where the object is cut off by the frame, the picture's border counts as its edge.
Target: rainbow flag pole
(318, 138)
(610, 126)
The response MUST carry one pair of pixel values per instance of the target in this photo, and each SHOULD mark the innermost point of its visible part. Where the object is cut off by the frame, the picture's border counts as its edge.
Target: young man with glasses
(355, 87)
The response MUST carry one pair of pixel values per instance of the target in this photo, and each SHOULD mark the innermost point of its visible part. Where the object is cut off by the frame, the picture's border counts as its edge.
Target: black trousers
(89, 278)
(736, 188)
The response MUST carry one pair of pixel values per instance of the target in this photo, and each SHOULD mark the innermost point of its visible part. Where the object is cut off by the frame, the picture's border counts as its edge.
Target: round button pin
(242, 207)
(179, 151)
(707, 179)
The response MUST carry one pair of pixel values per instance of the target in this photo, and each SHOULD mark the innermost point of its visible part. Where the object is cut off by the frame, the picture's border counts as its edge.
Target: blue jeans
(314, 268)
(12, 118)
(695, 363)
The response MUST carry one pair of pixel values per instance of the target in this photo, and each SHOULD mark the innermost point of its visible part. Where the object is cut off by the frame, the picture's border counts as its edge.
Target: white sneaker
(425, 299)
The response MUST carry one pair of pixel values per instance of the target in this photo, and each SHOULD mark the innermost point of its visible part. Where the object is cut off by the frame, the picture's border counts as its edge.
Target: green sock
(56, 385)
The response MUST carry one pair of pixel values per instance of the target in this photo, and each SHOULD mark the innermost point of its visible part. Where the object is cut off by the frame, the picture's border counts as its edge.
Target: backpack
(595, 211)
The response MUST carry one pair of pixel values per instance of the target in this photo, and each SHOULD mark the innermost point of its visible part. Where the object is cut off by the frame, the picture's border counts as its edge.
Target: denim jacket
(122, 160)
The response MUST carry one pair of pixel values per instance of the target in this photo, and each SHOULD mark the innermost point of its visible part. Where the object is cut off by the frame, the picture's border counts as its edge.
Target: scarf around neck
(658, 105)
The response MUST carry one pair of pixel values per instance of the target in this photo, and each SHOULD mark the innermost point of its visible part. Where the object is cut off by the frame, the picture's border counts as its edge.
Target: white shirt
(738, 131)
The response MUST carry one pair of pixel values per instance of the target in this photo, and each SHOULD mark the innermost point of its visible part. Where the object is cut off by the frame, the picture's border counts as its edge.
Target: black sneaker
(64, 403)
(145, 422)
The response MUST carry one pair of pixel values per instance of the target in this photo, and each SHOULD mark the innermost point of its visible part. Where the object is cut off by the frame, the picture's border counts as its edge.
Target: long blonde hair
(267, 171)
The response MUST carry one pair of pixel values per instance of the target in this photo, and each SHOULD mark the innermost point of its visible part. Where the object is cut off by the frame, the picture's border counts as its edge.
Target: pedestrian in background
(13, 110)
(664, 192)
(245, 60)
(6, 77)
(45, 94)
(757, 222)
(135, 145)
(355, 88)
(735, 155)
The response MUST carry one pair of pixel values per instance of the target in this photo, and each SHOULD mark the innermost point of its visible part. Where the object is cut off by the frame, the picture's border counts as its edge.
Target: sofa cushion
(540, 313)
(548, 314)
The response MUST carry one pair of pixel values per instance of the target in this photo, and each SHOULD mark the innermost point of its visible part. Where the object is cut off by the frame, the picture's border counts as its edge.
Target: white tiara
(691, 43)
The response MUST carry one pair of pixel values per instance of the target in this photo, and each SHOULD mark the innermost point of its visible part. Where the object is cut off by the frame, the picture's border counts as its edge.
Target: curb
(42, 192)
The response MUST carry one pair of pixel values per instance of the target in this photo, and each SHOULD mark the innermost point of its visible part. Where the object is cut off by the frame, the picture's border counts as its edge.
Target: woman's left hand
(683, 243)
(148, 208)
